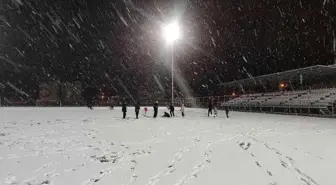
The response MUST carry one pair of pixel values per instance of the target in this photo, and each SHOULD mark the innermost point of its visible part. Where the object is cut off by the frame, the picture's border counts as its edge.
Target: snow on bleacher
(304, 98)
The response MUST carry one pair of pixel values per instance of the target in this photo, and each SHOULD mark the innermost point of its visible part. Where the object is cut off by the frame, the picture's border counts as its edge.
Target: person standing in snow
(137, 109)
(90, 106)
(111, 105)
(89, 103)
(215, 111)
(156, 107)
(209, 108)
(172, 109)
(124, 109)
(145, 110)
(227, 111)
(182, 110)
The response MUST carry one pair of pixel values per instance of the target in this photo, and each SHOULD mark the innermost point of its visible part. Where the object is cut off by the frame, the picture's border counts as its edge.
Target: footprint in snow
(289, 158)
(45, 182)
(245, 145)
(134, 178)
(11, 180)
(284, 164)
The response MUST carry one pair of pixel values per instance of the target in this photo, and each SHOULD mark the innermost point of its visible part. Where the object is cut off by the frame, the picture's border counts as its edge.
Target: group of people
(155, 107)
(214, 108)
(136, 108)
(172, 111)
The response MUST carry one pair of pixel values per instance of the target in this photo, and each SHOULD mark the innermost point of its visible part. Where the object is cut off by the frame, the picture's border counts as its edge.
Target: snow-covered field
(69, 146)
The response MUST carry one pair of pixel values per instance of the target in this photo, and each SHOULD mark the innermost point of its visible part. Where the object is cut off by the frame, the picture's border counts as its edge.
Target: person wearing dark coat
(124, 110)
(166, 115)
(137, 109)
(210, 109)
(156, 107)
(227, 111)
(90, 106)
(172, 108)
(89, 103)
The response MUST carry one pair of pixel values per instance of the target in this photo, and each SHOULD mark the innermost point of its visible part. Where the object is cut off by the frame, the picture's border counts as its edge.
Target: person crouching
(166, 115)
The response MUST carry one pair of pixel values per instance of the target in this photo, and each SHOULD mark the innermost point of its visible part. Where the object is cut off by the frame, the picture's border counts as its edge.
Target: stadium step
(325, 111)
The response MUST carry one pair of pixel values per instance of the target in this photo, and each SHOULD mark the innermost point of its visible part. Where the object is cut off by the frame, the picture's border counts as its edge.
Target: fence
(308, 107)
(247, 103)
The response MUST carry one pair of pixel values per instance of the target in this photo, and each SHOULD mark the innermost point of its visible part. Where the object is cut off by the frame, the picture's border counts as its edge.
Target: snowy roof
(307, 72)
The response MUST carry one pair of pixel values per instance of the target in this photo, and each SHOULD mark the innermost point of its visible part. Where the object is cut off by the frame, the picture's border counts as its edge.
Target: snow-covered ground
(69, 146)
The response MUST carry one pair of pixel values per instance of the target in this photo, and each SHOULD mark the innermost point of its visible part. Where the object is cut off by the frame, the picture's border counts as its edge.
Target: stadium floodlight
(171, 33)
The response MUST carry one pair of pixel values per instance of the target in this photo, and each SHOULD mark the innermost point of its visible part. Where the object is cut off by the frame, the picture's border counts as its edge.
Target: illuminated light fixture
(171, 32)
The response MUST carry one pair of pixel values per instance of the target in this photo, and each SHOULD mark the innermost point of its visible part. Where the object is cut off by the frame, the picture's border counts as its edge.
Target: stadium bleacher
(314, 94)
(304, 98)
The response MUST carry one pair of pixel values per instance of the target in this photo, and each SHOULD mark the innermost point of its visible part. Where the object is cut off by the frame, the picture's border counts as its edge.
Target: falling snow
(80, 40)
(72, 53)
(244, 59)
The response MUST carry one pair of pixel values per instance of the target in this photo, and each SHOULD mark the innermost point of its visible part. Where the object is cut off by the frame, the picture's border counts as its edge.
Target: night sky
(118, 46)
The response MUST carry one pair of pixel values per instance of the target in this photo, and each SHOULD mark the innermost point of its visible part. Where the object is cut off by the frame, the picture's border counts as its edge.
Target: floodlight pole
(172, 87)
